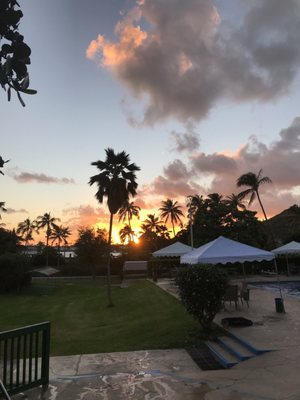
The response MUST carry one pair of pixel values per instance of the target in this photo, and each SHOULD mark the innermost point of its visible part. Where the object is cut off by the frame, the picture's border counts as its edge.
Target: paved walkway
(172, 374)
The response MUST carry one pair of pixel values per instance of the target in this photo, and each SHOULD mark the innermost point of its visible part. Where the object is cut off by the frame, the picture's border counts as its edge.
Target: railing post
(46, 356)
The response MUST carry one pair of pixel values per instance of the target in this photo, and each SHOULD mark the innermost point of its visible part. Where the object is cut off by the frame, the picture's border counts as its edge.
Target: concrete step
(246, 344)
(235, 348)
(222, 355)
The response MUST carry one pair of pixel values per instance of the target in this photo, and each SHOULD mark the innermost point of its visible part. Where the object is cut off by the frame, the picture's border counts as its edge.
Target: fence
(24, 358)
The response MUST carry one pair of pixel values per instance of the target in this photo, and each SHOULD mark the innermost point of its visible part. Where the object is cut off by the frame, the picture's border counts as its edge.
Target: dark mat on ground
(236, 321)
(203, 358)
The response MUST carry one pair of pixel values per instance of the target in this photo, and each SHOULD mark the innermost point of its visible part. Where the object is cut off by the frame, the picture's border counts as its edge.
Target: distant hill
(286, 225)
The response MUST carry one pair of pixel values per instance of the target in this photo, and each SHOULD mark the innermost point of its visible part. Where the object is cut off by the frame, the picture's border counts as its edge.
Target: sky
(198, 92)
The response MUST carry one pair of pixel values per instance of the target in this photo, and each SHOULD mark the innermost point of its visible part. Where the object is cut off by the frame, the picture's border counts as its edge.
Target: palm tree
(214, 199)
(59, 234)
(171, 210)
(26, 229)
(194, 203)
(127, 211)
(116, 181)
(126, 234)
(152, 224)
(48, 222)
(235, 202)
(254, 181)
(2, 162)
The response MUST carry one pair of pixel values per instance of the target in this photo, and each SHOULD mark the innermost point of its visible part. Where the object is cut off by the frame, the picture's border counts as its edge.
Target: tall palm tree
(60, 234)
(126, 234)
(128, 211)
(48, 222)
(116, 181)
(26, 229)
(171, 210)
(254, 181)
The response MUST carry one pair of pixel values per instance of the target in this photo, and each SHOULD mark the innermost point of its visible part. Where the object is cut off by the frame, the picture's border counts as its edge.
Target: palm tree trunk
(109, 298)
(267, 221)
(173, 228)
(47, 253)
(260, 203)
(58, 255)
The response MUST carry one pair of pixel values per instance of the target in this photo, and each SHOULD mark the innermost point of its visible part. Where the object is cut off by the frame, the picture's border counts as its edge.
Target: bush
(202, 288)
(14, 272)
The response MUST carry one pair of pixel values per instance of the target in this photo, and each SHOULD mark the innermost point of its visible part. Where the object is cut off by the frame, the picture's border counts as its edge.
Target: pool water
(287, 288)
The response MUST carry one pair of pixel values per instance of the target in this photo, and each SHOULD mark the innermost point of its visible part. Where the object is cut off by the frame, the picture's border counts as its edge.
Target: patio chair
(232, 294)
(245, 294)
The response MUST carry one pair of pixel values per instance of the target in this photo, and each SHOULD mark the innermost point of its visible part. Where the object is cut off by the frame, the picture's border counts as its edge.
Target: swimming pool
(289, 288)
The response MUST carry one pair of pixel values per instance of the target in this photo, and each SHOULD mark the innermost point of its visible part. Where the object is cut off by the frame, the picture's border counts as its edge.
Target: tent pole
(244, 273)
(287, 264)
(191, 228)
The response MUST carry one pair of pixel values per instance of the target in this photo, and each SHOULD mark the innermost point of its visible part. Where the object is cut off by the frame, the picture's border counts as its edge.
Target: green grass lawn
(144, 317)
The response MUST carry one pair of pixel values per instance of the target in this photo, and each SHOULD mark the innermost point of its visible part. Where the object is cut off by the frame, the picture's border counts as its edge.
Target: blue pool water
(291, 288)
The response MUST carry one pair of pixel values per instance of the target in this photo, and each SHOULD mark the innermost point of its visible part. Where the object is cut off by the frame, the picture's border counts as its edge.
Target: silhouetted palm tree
(214, 199)
(235, 202)
(26, 229)
(254, 181)
(48, 222)
(171, 210)
(194, 202)
(127, 211)
(126, 234)
(116, 181)
(2, 162)
(152, 224)
(60, 234)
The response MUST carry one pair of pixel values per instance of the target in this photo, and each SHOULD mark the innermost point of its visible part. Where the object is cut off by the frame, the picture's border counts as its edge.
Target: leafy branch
(14, 53)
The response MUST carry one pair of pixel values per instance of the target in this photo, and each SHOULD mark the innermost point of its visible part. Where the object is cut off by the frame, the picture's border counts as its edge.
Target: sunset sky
(196, 91)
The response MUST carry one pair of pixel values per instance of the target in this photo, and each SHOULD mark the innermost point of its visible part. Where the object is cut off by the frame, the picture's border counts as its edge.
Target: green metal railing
(24, 358)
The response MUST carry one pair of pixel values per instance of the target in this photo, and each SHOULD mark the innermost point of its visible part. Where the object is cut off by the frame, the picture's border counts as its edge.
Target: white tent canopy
(223, 251)
(289, 248)
(174, 250)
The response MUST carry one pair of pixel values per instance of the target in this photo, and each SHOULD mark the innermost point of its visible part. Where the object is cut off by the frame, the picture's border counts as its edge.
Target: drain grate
(203, 358)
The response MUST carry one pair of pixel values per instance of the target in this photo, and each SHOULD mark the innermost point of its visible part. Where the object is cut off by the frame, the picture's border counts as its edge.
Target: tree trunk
(260, 203)
(109, 298)
(58, 254)
(267, 221)
(47, 253)
(173, 229)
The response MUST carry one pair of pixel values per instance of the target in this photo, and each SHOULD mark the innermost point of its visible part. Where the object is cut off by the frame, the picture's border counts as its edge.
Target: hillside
(286, 225)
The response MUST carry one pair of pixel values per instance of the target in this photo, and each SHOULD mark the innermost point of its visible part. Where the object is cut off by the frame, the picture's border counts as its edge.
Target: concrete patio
(172, 374)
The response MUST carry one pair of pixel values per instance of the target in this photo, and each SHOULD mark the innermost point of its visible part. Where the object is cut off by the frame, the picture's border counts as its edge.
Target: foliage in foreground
(202, 288)
(13, 272)
(14, 52)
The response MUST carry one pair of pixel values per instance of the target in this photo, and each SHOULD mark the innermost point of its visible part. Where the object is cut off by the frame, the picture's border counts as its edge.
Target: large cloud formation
(216, 172)
(189, 57)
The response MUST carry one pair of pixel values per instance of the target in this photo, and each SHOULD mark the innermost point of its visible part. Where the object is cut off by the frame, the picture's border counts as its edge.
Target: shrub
(202, 288)
(13, 272)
